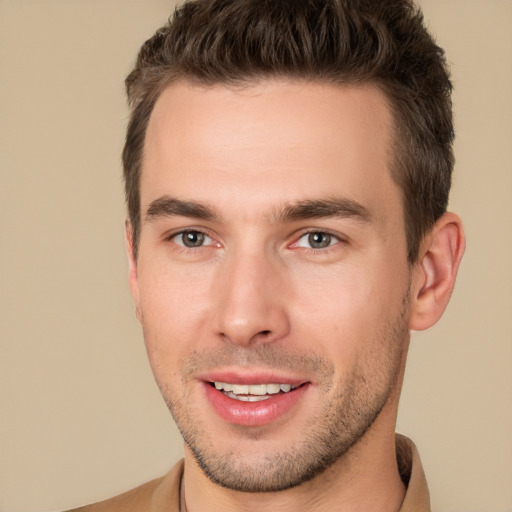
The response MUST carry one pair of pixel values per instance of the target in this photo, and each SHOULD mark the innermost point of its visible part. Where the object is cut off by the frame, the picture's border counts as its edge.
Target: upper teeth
(254, 389)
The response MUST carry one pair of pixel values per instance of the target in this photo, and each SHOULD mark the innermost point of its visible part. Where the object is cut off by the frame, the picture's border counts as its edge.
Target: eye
(192, 239)
(317, 240)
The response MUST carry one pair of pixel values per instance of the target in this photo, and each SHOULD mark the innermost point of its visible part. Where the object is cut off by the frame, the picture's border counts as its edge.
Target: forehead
(278, 138)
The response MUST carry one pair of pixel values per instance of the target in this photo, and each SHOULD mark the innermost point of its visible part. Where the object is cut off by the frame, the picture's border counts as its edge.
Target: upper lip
(251, 377)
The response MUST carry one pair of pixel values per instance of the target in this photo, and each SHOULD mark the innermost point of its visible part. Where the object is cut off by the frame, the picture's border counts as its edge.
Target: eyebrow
(323, 208)
(167, 206)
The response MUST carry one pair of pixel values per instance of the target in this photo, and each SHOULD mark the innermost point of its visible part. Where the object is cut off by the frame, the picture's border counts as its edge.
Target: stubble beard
(338, 426)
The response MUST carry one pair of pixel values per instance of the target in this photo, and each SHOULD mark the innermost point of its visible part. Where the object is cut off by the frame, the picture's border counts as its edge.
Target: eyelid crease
(170, 235)
(308, 231)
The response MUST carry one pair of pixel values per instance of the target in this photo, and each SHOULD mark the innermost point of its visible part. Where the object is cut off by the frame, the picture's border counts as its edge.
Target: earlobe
(435, 272)
(133, 277)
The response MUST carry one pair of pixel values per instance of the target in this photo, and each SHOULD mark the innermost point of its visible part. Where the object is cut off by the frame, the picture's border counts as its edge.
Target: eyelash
(174, 236)
(333, 240)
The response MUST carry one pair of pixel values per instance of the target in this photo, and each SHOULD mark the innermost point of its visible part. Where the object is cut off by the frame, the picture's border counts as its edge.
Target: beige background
(81, 418)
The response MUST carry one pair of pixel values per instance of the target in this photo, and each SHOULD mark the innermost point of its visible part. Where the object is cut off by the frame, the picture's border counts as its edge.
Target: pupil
(319, 240)
(193, 239)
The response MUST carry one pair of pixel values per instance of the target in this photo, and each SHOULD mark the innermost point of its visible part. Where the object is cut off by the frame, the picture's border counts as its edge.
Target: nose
(250, 300)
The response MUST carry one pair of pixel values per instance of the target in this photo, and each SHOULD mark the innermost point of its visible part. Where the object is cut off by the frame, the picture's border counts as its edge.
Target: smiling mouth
(252, 392)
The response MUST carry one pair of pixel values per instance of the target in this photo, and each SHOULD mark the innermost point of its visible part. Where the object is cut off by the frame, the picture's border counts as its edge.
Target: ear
(133, 277)
(435, 271)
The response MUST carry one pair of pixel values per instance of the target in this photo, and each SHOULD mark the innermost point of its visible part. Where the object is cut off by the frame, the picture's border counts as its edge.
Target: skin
(236, 172)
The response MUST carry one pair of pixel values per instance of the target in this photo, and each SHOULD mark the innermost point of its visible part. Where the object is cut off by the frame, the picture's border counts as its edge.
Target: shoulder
(138, 499)
(152, 496)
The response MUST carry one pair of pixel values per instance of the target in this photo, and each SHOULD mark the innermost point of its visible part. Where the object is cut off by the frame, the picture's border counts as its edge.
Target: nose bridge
(250, 306)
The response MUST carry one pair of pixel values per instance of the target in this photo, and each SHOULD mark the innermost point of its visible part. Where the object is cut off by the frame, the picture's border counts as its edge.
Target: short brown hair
(345, 42)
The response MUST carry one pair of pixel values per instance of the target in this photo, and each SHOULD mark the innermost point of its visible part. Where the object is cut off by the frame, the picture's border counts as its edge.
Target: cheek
(331, 316)
(335, 299)
(349, 312)
(173, 317)
(170, 298)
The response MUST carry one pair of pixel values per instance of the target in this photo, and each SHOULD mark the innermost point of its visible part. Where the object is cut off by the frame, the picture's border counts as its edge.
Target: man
(287, 170)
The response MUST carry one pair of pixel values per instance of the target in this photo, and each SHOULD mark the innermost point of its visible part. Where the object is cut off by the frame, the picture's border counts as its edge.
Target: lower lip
(253, 414)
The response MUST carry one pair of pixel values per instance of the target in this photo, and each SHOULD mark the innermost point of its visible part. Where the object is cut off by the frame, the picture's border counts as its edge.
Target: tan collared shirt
(163, 494)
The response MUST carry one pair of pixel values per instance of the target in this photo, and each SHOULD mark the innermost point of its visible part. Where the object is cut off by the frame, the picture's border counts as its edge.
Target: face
(272, 278)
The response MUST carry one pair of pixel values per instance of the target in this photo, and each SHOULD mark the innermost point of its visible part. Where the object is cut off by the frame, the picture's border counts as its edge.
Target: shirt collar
(417, 498)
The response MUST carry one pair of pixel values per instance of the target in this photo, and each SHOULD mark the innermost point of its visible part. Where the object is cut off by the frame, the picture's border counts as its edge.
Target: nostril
(265, 333)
